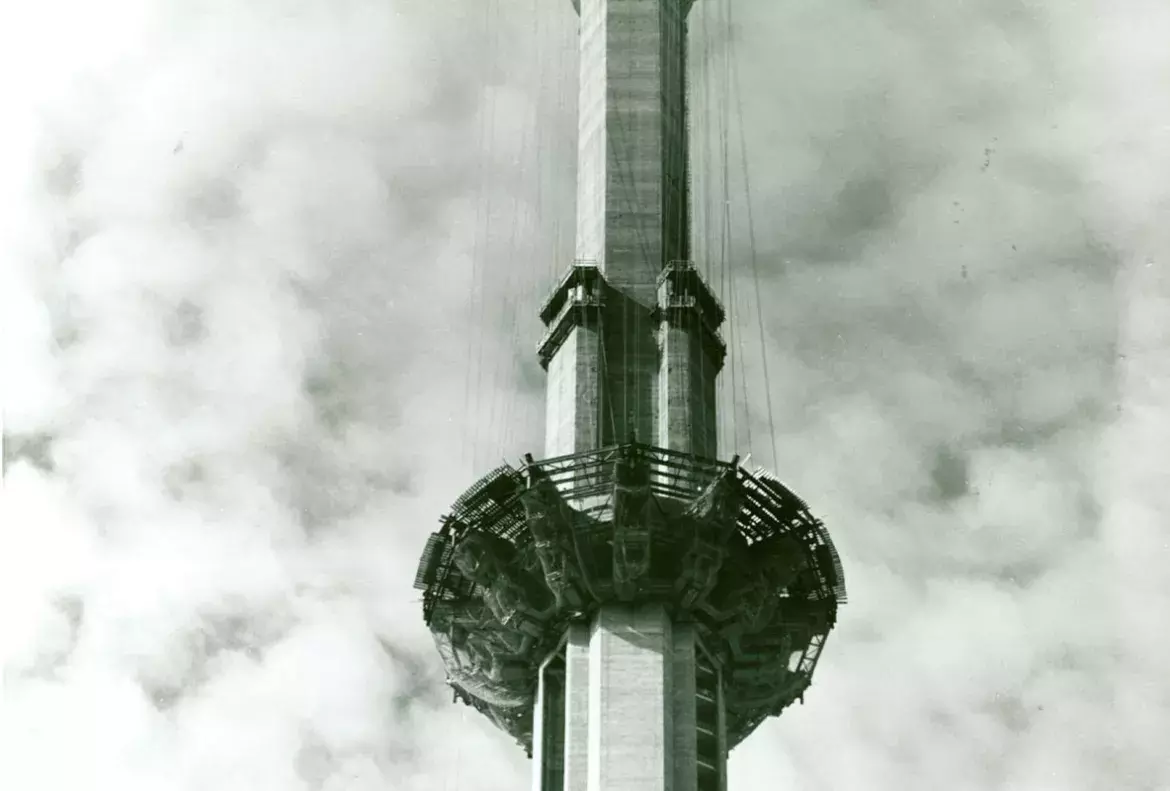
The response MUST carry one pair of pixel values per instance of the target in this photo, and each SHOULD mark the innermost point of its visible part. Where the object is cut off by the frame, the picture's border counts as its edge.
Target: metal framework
(526, 550)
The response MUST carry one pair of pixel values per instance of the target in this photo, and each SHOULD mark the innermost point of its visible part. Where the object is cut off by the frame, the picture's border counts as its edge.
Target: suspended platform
(525, 551)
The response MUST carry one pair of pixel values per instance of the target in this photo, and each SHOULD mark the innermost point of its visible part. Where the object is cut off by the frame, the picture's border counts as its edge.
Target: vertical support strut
(632, 351)
(608, 377)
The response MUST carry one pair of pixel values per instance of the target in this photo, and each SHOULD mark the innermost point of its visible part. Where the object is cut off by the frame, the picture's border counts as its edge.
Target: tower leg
(630, 716)
(630, 680)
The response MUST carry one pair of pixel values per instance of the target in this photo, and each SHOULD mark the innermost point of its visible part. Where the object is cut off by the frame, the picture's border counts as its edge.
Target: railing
(684, 278)
(493, 505)
(581, 289)
(550, 307)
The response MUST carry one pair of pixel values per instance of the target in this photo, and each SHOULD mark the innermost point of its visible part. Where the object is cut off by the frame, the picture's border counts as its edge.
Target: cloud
(272, 306)
(948, 244)
(243, 252)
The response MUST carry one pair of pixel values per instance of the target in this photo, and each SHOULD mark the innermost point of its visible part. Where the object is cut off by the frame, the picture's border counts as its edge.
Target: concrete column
(577, 708)
(629, 704)
(573, 396)
(630, 686)
(686, 390)
(682, 705)
(631, 189)
(548, 725)
(631, 204)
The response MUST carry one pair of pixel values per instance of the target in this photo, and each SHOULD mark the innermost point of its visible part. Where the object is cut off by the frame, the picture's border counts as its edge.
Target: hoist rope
(484, 204)
(737, 95)
(468, 450)
(524, 313)
(721, 77)
(500, 303)
(518, 260)
(683, 226)
(701, 156)
(727, 276)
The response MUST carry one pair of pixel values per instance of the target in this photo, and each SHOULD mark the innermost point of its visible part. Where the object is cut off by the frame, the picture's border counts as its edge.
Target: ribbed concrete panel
(675, 216)
(574, 393)
(682, 704)
(591, 130)
(629, 696)
(632, 190)
(686, 392)
(578, 688)
(644, 136)
(635, 159)
(631, 371)
(630, 734)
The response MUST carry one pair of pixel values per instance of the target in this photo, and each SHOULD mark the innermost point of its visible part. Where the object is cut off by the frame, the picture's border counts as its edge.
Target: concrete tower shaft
(639, 361)
(625, 705)
(630, 608)
(633, 347)
(632, 148)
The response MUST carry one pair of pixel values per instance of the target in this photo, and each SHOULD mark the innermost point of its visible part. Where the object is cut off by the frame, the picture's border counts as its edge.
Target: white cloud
(244, 372)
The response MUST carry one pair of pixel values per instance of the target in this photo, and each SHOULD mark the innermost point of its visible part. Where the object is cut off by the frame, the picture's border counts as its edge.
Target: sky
(268, 291)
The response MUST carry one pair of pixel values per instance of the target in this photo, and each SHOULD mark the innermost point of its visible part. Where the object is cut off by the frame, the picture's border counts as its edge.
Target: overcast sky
(244, 374)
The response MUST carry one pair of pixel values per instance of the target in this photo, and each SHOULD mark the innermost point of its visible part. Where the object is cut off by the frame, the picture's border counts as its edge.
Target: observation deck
(526, 551)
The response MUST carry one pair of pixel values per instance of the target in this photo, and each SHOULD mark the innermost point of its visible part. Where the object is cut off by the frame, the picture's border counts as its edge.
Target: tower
(630, 607)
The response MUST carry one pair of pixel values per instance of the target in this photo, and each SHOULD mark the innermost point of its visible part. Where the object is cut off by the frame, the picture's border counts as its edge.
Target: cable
(569, 151)
(535, 215)
(741, 368)
(479, 324)
(704, 147)
(505, 385)
(738, 97)
(604, 393)
(617, 139)
(476, 280)
(727, 280)
(683, 229)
